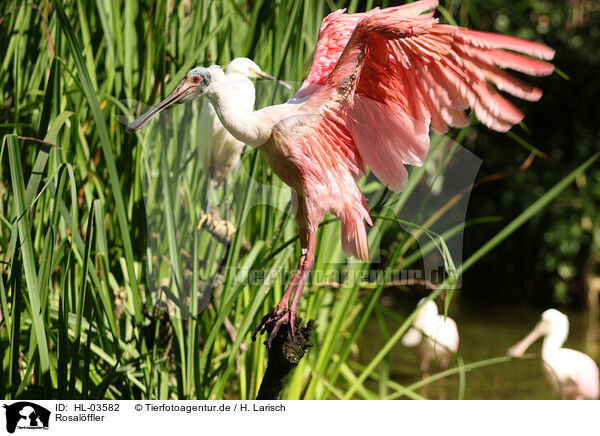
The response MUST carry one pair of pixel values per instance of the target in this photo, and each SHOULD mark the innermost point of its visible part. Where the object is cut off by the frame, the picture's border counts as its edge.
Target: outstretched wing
(398, 75)
(334, 34)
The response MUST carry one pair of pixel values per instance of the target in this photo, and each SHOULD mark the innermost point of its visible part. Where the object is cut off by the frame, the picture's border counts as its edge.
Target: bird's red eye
(195, 79)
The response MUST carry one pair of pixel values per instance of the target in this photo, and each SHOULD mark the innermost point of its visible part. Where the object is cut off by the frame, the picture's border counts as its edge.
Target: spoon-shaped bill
(268, 76)
(184, 88)
(520, 347)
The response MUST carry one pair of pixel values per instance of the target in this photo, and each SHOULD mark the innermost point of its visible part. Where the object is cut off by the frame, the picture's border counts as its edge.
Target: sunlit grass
(101, 260)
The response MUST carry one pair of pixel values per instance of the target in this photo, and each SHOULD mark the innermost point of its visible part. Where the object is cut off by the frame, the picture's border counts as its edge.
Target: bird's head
(427, 310)
(194, 85)
(248, 68)
(196, 82)
(554, 324)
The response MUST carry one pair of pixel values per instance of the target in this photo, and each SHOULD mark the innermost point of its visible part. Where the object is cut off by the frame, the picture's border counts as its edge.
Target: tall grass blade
(22, 222)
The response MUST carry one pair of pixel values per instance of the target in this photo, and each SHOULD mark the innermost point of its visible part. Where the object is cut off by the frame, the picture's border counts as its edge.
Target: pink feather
(379, 80)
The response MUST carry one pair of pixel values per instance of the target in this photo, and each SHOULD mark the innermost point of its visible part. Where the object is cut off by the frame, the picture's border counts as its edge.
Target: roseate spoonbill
(570, 373)
(434, 336)
(378, 80)
(220, 149)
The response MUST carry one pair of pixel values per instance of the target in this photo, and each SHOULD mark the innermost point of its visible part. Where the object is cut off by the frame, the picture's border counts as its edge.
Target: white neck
(427, 313)
(554, 341)
(252, 128)
(243, 88)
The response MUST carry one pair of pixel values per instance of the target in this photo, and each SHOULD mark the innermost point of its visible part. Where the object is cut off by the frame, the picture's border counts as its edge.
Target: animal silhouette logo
(26, 415)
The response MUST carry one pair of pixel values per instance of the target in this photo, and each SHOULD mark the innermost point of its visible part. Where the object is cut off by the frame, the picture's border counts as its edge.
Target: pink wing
(336, 30)
(398, 76)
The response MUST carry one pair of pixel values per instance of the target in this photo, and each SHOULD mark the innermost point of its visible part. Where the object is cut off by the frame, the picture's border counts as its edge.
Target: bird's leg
(226, 192)
(207, 217)
(307, 265)
(228, 226)
(208, 192)
(283, 305)
(283, 312)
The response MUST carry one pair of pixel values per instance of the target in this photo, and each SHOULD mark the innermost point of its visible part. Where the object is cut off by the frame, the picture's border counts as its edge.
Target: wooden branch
(284, 355)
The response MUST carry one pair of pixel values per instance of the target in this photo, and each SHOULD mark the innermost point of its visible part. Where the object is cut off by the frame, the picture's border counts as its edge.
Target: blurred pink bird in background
(571, 374)
(434, 336)
(378, 81)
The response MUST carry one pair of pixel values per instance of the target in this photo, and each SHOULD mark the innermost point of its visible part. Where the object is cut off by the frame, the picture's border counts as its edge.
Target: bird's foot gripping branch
(285, 352)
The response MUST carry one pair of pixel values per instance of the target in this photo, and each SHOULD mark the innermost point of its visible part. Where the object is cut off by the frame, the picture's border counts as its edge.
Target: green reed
(94, 303)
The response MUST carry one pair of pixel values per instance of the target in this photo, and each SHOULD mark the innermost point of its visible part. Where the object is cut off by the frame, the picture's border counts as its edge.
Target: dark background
(554, 257)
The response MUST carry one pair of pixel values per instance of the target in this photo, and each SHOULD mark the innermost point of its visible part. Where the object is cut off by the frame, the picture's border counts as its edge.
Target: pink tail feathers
(354, 233)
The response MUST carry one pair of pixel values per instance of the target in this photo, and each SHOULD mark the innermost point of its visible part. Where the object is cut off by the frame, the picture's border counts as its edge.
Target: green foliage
(93, 304)
(560, 247)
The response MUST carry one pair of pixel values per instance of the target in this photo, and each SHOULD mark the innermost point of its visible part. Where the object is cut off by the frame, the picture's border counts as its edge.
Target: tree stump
(284, 355)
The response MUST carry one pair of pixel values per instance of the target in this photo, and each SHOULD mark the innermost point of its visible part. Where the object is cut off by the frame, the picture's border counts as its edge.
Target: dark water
(486, 331)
